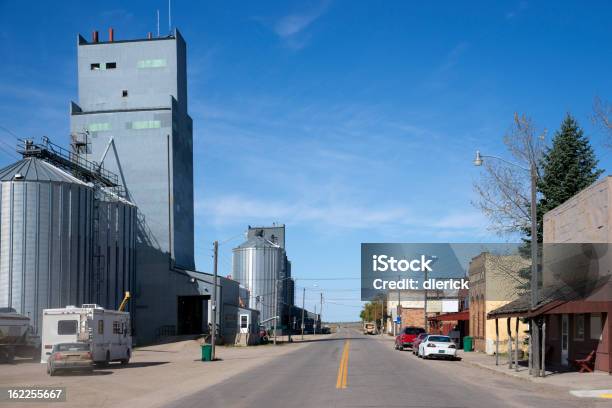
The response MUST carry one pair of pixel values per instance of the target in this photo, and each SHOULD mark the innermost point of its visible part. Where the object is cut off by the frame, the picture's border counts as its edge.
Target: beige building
(494, 282)
(578, 255)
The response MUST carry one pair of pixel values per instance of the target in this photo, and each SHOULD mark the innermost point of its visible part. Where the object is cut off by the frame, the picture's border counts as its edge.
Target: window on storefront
(579, 327)
(595, 326)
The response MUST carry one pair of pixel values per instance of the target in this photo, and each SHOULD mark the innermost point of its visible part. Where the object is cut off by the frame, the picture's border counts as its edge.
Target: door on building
(244, 323)
(564, 339)
(190, 314)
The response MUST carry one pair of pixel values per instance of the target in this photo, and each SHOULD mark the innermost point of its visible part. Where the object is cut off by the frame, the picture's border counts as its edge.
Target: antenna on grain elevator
(169, 16)
(157, 23)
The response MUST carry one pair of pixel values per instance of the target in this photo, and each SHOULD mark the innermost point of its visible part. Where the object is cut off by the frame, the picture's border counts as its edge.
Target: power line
(7, 130)
(342, 304)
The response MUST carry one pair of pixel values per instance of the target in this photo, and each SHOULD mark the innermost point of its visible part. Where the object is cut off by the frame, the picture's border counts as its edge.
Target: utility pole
(382, 317)
(275, 307)
(303, 306)
(397, 310)
(214, 302)
(535, 330)
(425, 303)
(321, 312)
(314, 324)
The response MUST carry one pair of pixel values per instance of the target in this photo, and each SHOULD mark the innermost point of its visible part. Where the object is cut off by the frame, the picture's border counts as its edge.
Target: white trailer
(107, 331)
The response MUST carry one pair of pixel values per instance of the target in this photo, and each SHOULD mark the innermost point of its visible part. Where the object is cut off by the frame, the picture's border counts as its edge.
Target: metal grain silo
(45, 238)
(113, 260)
(257, 265)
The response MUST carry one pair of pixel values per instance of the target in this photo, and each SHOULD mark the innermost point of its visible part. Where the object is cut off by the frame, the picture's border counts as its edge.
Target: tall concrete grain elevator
(115, 212)
(132, 116)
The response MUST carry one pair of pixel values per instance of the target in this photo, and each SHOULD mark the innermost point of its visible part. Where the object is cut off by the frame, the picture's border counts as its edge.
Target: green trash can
(206, 352)
(468, 343)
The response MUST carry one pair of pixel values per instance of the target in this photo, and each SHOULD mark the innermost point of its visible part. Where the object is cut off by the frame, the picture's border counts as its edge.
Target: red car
(407, 337)
(417, 341)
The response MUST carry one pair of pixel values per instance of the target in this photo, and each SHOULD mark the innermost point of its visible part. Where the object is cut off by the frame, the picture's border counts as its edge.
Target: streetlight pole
(534, 341)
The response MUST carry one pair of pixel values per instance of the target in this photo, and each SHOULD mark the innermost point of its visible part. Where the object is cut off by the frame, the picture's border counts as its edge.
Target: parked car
(70, 356)
(417, 341)
(435, 346)
(407, 336)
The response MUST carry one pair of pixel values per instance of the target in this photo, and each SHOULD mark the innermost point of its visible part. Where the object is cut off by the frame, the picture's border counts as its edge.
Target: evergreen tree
(567, 167)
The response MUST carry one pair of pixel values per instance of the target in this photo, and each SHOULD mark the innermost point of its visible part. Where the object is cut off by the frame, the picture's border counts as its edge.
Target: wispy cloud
(329, 213)
(520, 7)
(441, 74)
(292, 28)
(293, 24)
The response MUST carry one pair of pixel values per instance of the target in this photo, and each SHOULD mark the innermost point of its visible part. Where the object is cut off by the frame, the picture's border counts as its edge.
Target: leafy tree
(372, 311)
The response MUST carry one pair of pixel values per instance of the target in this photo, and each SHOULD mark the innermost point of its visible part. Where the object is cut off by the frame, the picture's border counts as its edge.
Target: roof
(257, 242)
(462, 315)
(34, 169)
(549, 297)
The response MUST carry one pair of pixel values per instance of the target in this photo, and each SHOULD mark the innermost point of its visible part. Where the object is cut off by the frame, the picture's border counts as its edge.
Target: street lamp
(478, 159)
(533, 170)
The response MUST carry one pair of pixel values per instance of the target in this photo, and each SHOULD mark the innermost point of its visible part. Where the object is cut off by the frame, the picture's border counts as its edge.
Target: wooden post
(509, 329)
(544, 346)
(496, 341)
(535, 362)
(516, 348)
(530, 347)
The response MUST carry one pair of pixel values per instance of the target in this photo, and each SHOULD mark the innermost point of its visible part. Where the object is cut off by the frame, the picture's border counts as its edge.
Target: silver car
(70, 356)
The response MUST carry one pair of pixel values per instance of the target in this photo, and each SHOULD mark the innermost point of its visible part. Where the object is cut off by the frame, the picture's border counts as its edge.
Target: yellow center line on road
(341, 381)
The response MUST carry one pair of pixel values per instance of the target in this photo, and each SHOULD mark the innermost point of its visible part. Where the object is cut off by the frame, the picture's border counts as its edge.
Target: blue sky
(349, 121)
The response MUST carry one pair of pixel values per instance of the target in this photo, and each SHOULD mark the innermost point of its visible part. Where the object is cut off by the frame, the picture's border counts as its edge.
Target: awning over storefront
(463, 315)
(550, 298)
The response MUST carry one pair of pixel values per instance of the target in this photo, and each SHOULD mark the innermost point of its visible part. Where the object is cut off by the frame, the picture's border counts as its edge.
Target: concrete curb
(508, 373)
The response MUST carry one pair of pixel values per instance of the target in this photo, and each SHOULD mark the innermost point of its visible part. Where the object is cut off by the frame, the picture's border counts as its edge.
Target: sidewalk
(571, 380)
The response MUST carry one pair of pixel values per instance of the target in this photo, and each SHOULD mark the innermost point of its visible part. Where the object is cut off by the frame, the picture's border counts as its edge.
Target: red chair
(585, 364)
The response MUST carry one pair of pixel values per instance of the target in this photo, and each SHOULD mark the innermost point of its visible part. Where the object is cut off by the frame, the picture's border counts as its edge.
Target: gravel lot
(155, 376)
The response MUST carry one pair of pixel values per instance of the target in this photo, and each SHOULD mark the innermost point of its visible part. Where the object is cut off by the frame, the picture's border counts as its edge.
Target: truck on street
(369, 328)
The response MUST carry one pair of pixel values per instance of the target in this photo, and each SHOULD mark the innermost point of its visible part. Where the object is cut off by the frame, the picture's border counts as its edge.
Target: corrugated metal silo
(113, 260)
(257, 265)
(45, 238)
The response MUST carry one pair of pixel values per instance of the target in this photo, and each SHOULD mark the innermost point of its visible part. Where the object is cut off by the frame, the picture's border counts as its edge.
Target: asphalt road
(349, 369)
